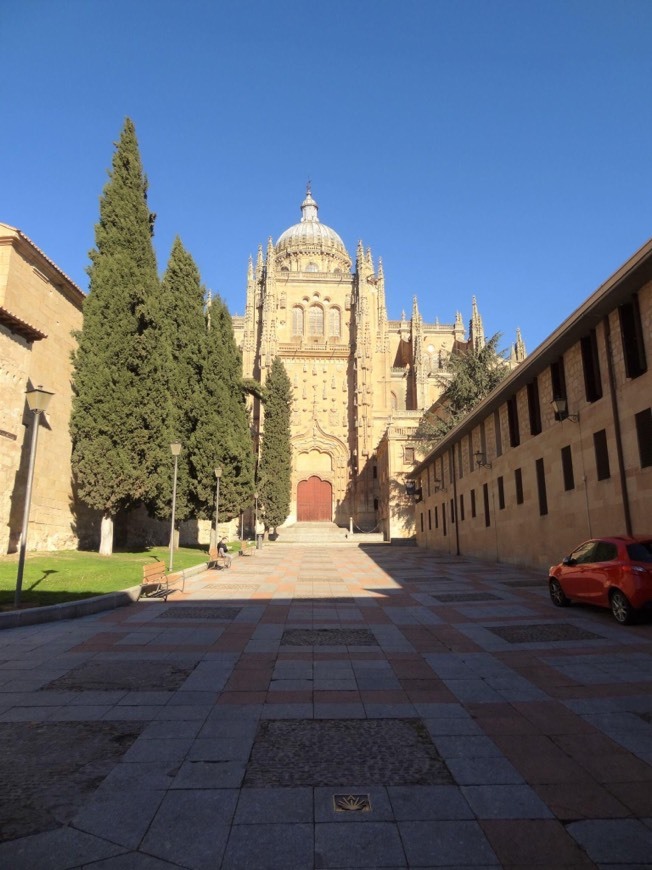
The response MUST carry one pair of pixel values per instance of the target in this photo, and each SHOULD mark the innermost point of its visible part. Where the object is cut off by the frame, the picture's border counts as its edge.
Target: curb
(83, 607)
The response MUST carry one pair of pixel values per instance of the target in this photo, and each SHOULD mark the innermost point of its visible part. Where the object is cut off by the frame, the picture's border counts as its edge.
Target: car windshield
(641, 551)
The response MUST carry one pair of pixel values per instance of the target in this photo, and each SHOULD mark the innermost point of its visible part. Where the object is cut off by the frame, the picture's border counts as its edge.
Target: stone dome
(311, 240)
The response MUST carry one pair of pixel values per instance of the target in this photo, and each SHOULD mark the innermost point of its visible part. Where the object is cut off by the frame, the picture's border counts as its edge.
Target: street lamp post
(38, 400)
(175, 450)
(259, 542)
(218, 475)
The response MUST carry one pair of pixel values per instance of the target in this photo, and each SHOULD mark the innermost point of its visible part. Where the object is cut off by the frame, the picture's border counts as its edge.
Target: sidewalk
(330, 707)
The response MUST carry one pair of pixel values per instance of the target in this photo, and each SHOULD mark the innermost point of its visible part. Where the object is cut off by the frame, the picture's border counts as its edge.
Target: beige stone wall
(34, 291)
(518, 533)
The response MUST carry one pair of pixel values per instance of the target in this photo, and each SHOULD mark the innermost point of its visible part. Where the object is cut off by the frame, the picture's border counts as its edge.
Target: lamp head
(218, 472)
(175, 448)
(38, 399)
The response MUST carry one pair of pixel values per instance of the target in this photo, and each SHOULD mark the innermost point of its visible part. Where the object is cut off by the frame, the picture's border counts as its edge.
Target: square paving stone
(127, 675)
(339, 752)
(49, 769)
(328, 637)
(543, 633)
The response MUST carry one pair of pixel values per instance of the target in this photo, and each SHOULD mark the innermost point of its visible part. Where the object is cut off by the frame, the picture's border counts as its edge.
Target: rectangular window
(644, 434)
(443, 516)
(473, 510)
(601, 454)
(558, 379)
(462, 507)
(408, 455)
(501, 493)
(518, 485)
(631, 331)
(567, 468)
(485, 495)
(452, 511)
(591, 366)
(512, 419)
(421, 520)
(534, 407)
(429, 520)
(498, 434)
(436, 517)
(541, 488)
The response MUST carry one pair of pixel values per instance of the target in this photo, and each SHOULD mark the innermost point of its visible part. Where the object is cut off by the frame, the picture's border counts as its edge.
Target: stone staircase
(324, 533)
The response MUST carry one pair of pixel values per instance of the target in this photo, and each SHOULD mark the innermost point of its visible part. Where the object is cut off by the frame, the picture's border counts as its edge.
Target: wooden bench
(155, 582)
(217, 561)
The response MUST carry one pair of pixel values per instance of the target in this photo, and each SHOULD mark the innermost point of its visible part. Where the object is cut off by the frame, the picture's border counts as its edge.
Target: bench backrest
(153, 571)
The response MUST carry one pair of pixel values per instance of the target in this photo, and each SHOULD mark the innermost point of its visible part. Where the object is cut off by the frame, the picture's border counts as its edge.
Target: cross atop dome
(309, 207)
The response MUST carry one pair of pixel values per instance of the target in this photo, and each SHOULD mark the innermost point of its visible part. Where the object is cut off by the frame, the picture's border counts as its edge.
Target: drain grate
(467, 596)
(332, 752)
(543, 633)
(141, 676)
(351, 803)
(221, 613)
(328, 637)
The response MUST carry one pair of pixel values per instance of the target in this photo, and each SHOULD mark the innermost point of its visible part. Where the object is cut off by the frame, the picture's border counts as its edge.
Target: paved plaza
(330, 707)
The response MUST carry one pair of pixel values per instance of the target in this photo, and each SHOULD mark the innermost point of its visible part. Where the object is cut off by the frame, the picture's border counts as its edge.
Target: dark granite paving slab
(336, 752)
(328, 637)
(209, 612)
(543, 633)
(50, 768)
(128, 675)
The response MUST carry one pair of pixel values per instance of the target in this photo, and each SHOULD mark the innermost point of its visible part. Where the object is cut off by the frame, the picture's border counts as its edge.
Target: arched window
(312, 267)
(316, 320)
(297, 321)
(334, 320)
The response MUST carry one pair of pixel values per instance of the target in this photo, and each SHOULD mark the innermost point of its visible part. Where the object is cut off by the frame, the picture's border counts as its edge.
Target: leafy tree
(113, 405)
(275, 468)
(471, 376)
(222, 436)
(178, 362)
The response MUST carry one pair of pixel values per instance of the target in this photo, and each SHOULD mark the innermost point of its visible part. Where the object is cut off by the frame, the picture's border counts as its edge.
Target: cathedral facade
(356, 375)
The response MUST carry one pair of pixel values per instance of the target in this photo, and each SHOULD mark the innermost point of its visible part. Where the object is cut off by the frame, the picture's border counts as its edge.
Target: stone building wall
(535, 512)
(40, 308)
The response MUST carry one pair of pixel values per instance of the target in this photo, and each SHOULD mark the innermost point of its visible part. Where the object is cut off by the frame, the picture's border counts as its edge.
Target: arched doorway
(314, 501)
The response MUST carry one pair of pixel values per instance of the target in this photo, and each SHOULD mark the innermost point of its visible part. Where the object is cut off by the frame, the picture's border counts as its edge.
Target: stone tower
(353, 371)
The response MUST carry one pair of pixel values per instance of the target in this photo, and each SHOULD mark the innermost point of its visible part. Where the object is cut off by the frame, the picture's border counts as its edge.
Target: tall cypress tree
(275, 468)
(179, 331)
(222, 436)
(112, 403)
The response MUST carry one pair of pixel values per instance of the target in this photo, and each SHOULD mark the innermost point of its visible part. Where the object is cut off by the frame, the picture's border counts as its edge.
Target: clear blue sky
(502, 149)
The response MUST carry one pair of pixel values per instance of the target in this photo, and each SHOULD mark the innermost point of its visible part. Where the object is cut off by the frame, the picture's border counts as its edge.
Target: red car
(609, 572)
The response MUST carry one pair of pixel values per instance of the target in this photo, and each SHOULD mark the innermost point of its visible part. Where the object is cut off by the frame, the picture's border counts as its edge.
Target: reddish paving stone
(550, 717)
(327, 696)
(237, 698)
(570, 801)
(540, 843)
(636, 796)
(538, 760)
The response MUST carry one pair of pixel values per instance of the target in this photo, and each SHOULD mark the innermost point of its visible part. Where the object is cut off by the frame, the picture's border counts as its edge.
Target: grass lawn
(50, 578)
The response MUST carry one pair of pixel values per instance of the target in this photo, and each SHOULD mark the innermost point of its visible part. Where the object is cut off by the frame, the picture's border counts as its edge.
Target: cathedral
(360, 381)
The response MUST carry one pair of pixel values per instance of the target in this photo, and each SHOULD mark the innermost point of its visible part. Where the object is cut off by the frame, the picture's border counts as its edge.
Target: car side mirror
(568, 560)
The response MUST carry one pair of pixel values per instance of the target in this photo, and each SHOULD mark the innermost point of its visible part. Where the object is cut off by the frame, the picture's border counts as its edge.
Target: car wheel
(622, 610)
(557, 594)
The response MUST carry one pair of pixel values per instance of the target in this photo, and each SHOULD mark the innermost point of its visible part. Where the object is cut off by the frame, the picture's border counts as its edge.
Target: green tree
(275, 468)
(222, 436)
(178, 363)
(471, 376)
(113, 405)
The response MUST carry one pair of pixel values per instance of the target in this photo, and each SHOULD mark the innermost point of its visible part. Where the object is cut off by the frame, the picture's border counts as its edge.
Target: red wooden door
(314, 501)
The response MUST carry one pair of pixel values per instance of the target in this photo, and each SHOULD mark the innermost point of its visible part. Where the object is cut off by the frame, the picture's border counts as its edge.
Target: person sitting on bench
(223, 553)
